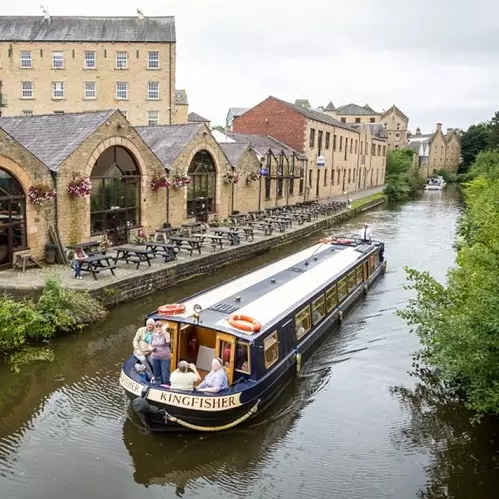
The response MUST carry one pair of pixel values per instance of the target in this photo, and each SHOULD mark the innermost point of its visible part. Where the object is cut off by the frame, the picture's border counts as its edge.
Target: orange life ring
(171, 309)
(244, 323)
(343, 241)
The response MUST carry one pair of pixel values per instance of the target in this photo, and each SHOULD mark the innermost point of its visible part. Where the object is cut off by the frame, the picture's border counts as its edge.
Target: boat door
(225, 349)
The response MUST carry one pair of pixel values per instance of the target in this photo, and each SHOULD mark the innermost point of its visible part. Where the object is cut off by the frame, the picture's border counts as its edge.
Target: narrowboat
(435, 184)
(263, 325)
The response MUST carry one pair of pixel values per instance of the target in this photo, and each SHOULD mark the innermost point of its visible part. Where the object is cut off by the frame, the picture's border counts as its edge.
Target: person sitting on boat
(161, 354)
(182, 378)
(216, 379)
(142, 347)
(366, 234)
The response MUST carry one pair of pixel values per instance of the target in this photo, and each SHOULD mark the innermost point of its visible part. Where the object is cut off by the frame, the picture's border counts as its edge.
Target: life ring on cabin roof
(171, 309)
(343, 241)
(244, 323)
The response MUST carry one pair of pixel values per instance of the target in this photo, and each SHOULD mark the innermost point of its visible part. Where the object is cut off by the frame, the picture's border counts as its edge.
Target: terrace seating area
(193, 239)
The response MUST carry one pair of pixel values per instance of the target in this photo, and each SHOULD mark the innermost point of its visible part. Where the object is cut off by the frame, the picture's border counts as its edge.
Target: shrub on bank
(57, 311)
(402, 179)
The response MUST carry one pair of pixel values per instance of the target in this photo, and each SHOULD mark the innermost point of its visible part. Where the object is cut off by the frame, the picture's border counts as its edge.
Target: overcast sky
(437, 60)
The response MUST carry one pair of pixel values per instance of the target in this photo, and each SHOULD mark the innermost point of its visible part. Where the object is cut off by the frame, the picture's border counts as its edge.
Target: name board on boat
(130, 385)
(195, 402)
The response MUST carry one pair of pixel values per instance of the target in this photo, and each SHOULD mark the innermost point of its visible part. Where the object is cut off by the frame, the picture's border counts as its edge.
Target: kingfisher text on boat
(262, 326)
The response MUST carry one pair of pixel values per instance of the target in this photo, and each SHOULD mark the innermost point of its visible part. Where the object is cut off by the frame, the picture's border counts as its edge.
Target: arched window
(115, 197)
(201, 190)
(12, 218)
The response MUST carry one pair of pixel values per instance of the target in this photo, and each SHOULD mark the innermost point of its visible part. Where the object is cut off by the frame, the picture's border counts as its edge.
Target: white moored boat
(435, 184)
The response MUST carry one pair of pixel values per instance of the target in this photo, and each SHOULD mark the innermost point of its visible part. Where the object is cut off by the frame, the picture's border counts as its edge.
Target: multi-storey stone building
(76, 64)
(436, 151)
(334, 150)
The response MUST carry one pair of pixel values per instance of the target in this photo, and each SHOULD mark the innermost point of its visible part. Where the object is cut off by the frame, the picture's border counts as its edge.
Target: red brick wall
(271, 117)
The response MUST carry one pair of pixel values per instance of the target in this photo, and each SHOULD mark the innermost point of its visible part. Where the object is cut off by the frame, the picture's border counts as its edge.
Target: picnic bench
(134, 254)
(192, 227)
(165, 250)
(230, 234)
(89, 247)
(262, 225)
(215, 240)
(164, 233)
(188, 243)
(98, 263)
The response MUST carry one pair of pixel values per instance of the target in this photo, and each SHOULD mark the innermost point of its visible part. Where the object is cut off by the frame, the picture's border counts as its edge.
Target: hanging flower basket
(179, 179)
(41, 192)
(230, 178)
(159, 181)
(79, 186)
(264, 171)
(252, 177)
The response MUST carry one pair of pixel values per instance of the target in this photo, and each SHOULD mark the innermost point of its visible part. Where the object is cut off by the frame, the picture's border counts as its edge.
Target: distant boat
(263, 325)
(435, 184)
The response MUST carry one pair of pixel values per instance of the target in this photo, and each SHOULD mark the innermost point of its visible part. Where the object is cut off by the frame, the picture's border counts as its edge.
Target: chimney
(439, 127)
(418, 131)
(449, 130)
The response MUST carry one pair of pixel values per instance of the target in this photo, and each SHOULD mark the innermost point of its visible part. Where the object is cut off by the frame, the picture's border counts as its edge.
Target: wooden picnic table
(216, 241)
(98, 263)
(87, 245)
(164, 233)
(135, 254)
(188, 243)
(236, 218)
(165, 250)
(229, 233)
(264, 225)
(190, 226)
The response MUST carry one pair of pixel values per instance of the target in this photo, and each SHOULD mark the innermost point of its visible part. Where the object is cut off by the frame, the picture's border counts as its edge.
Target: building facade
(76, 64)
(334, 150)
(396, 125)
(353, 113)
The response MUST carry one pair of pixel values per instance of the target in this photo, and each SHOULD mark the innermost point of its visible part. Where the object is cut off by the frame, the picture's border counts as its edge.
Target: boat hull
(165, 410)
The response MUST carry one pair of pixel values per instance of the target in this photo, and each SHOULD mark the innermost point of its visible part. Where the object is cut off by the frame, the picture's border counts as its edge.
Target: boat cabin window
(372, 262)
(342, 290)
(303, 322)
(271, 350)
(331, 298)
(360, 275)
(243, 357)
(352, 282)
(318, 310)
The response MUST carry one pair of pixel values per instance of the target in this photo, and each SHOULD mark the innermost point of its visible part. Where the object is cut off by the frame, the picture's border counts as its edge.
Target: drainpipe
(232, 194)
(56, 204)
(168, 200)
(170, 81)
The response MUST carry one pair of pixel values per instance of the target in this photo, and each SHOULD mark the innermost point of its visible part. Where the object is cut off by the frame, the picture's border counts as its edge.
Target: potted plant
(231, 177)
(79, 186)
(179, 178)
(41, 192)
(159, 180)
(252, 177)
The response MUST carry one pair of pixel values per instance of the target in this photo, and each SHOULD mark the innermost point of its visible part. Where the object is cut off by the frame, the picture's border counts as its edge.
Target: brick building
(333, 149)
(76, 64)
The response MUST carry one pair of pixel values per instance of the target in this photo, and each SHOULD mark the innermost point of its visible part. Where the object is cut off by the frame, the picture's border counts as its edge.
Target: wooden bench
(22, 262)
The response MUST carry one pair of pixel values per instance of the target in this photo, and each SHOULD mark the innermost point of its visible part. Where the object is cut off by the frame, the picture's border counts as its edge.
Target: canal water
(354, 424)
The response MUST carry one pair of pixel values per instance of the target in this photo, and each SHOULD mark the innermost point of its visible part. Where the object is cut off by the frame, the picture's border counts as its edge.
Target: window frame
(85, 94)
(22, 60)
(55, 90)
(315, 305)
(32, 95)
(273, 338)
(360, 271)
(119, 59)
(86, 60)
(331, 294)
(342, 284)
(149, 60)
(351, 279)
(248, 350)
(149, 118)
(303, 311)
(152, 92)
(125, 83)
(57, 56)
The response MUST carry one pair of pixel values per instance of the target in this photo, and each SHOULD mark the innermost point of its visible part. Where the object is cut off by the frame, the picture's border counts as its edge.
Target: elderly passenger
(161, 354)
(182, 378)
(216, 379)
(142, 347)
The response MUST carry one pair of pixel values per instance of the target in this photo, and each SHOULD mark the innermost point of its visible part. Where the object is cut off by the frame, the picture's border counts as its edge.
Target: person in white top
(366, 234)
(182, 378)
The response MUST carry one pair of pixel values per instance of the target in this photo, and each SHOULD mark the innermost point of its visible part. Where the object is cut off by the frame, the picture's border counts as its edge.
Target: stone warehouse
(139, 177)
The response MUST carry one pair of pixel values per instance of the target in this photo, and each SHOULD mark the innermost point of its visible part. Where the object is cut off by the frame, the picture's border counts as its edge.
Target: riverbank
(129, 283)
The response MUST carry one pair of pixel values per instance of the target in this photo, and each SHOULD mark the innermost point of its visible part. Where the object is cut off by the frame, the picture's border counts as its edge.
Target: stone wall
(74, 75)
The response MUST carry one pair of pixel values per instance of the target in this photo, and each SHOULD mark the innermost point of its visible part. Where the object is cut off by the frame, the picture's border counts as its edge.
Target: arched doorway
(12, 218)
(115, 197)
(201, 190)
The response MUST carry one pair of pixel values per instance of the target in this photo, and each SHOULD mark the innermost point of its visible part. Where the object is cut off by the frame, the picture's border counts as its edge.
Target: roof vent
(45, 12)
(226, 308)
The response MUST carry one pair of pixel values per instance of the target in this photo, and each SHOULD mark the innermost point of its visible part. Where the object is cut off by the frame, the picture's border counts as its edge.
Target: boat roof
(271, 291)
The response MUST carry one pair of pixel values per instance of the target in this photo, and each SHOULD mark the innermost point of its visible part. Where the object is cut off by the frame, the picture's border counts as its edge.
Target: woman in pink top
(161, 354)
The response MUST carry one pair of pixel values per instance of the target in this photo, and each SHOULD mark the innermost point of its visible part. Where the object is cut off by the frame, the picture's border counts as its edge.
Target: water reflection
(464, 457)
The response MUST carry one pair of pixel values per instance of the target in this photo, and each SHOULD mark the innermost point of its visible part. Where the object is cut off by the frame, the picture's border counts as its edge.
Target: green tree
(402, 179)
(494, 131)
(473, 141)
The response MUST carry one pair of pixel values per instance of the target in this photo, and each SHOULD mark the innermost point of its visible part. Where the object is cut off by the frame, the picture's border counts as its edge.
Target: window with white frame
(27, 90)
(153, 90)
(90, 90)
(121, 90)
(121, 60)
(57, 60)
(89, 59)
(153, 117)
(27, 112)
(153, 60)
(26, 59)
(58, 90)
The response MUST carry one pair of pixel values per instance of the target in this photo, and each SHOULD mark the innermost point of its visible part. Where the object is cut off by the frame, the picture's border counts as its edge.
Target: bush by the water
(58, 310)
(402, 179)
(458, 324)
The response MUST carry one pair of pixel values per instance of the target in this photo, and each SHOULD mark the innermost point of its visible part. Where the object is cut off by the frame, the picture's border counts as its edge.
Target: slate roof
(234, 151)
(53, 137)
(196, 118)
(330, 106)
(303, 103)
(168, 141)
(181, 98)
(377, 129)
(86, 29)
(237, 111)
(262, 143)
(355, 109)
(314, 115)
(415, 146)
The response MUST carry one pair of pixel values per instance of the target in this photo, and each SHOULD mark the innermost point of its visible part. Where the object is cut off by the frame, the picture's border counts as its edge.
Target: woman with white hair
(216, 379)
(184, 377)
